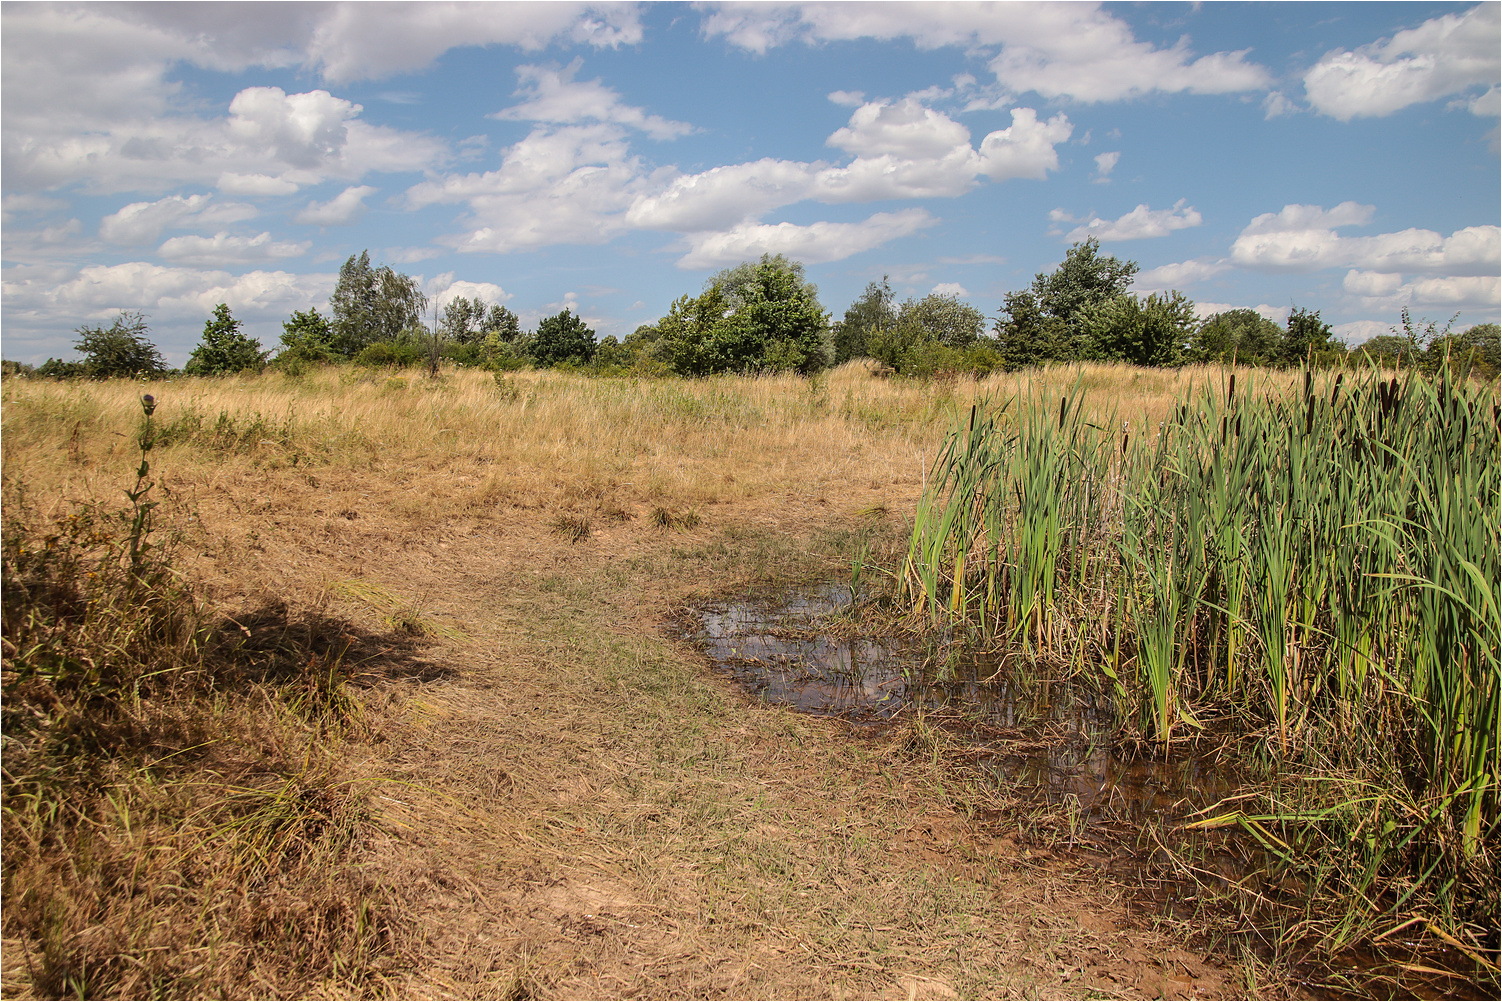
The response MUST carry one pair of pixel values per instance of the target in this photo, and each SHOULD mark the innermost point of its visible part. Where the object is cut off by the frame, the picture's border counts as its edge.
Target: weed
(665, 518)
(574, 528)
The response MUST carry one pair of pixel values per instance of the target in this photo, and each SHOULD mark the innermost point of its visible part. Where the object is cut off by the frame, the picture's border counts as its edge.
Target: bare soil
(574, 805)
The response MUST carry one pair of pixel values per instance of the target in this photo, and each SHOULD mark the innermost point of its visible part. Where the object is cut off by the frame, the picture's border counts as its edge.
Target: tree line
(765, 316)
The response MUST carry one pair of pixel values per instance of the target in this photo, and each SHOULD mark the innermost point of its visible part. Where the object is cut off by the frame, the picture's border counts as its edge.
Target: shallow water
(1041, 739)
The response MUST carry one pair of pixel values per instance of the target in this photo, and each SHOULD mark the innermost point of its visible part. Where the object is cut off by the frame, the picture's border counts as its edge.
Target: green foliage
(1152, 331)
(470, 321)
(307, 337)
(1047, 322)
(874, 312)
(1319, 569)
(767, 318)
(910, 345)
(1082, 283)
(224, 348)
(372, 304)
(562, 338)
(119, 350)
(1243, 335)
(1308, 341)
(687, 339)
(57, 368)
(1391, 350)
(399, 353)
(1028, 336)
(1475, 351)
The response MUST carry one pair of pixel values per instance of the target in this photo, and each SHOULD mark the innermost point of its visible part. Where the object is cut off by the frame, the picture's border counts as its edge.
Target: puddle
(1044, 742)
(1040, 739)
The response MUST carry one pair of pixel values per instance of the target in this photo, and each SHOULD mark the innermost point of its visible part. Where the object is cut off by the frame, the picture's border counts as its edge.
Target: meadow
(360, 683)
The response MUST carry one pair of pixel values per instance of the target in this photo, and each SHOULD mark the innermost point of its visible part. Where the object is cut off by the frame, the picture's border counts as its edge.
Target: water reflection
(1042, 738)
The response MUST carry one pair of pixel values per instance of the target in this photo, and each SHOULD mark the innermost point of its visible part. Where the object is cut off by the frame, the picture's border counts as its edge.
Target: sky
(608, 158)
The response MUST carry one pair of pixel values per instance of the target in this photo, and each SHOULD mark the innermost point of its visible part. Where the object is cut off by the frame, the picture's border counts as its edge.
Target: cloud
(223, 249)
(723, 196)
(1105, 163)
(341, 210)
(557, 186)
(905, 129)
(582, 184)
(270, 143)
(1026, 148)
(176, 299)
(848, 98)
(1077, 51)
(1277, 104)
(813, 244)
(1444, 55)
(1371, 283)
(1302, 238)
(254, 184)
(1360, 331)
(552, 95)
(1179, 275)
(349, 44)
(1140, 223)
(141, 223)
(950, 289)
(443, 289)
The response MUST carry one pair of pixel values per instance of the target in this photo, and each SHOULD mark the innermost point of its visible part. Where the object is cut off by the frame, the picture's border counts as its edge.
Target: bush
(119, 350)
(392, 354)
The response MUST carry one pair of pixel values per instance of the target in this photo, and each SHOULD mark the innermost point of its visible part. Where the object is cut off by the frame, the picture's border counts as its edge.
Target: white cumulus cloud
(1443, 56)
(552, 95)
(1075, 50)
(1179, 274)
(1140, 223)
(222, 249)
(341, 210)
(1303, 238)
(815, 243)
(141, 223)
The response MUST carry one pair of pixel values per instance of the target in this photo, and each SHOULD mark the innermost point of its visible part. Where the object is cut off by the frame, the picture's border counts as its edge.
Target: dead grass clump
(665, 518)
(177, 819)
(574, 528)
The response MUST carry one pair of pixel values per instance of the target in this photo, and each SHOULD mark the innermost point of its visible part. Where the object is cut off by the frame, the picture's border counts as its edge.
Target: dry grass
(551, 797)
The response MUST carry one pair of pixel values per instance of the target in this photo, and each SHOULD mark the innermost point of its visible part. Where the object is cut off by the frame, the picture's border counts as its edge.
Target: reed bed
(1317, 570)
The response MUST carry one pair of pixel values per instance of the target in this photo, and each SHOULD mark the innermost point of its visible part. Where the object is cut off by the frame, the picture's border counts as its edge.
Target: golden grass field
(541, 791)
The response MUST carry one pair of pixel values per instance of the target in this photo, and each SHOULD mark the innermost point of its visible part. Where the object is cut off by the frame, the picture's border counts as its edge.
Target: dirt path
(574, 805)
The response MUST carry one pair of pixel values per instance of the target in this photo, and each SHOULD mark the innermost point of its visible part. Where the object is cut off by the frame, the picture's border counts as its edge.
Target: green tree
(874, 312)
(1478, 350)
(372, 304)
(225, 348)
(1153, 331)
(307, 337)
(1391, 350)
(922, 324)
(764, 316)
(1026, 335)
(689, 339)
(778, 323)
(563, 338)
(468, 321)
(1046, 321)
(120, 349)
(1243, 335)
(1307, 340)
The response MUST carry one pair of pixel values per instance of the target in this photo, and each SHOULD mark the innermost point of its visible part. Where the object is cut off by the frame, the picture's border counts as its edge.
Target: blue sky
(610, 157)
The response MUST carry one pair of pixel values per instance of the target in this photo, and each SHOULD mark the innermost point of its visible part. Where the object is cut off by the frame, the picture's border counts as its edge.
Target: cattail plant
(1322, 564)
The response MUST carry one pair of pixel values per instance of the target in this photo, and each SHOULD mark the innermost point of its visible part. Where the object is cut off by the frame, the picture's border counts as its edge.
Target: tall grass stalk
(1323, 564)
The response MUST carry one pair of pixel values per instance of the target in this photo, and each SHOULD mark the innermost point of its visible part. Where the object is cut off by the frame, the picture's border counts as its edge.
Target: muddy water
(1039, 739)
(1044, 742)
